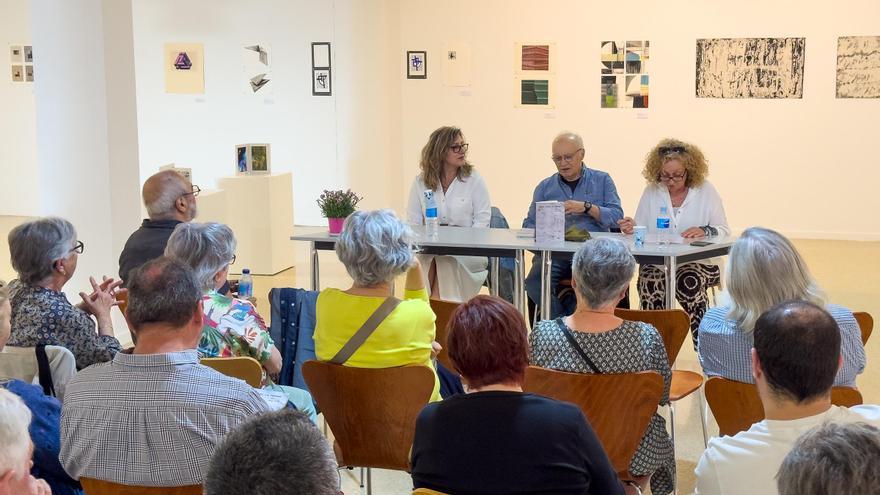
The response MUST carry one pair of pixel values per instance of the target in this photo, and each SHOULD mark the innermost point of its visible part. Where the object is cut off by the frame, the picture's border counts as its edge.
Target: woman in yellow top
(375, 247)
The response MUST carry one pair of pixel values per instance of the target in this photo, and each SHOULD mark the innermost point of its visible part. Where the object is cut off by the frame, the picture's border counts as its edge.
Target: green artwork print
(535, 92)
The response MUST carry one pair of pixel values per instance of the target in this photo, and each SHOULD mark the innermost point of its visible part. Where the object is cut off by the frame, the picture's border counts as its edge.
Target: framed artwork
(321, 71)
(624, 74)
(21, 58)
(252, 159)
(255, 67)
(416, 65)
(455, 65)
(534, 92)
(858, 67)
(534, 59)
(750, 67)
(185, 68)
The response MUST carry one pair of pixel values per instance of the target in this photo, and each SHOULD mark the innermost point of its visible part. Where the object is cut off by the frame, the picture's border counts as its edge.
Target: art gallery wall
(345, 140)
(806, 166)
(17, 118)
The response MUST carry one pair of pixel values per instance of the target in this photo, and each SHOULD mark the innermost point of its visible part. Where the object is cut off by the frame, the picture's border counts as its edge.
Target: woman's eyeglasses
(459, 148)
(673, 178)
(78, 248)
(665, 150)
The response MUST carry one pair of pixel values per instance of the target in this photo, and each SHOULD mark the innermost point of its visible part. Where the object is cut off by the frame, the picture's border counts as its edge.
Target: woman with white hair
(376, 247)
(15, 456)
(44, 252)
(231, 326)
(764, 270)
(594, 340)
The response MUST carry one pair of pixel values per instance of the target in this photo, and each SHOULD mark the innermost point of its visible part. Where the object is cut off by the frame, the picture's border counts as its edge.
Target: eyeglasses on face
(232, 261)
(459, 148)
(557, 159)
(195, 191)
(78, 248)
(665, 150)
(673, 178)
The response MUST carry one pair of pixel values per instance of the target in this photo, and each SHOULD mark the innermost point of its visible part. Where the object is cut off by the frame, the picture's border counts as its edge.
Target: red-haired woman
(495, 438)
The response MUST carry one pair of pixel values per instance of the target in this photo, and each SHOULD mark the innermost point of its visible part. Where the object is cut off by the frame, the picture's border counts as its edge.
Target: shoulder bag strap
(568, 334)
(45, 371)
(364, 332)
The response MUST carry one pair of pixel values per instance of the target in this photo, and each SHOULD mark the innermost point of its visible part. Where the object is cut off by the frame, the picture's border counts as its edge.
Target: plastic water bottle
(432, 223)
(246, 285)
(663, 223)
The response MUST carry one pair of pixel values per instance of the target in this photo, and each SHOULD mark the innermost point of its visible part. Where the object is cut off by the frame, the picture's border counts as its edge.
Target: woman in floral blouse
(44, 253)
(231, 326)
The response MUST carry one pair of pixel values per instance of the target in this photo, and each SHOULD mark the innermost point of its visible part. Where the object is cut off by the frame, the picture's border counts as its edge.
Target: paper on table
(673, 239)
(549, 222)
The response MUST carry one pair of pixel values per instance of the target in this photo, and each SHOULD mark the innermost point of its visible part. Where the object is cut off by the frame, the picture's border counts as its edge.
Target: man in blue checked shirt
(591, 204)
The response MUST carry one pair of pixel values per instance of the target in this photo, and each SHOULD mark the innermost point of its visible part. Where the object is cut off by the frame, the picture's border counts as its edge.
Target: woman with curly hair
(676, 173)
(462, 201)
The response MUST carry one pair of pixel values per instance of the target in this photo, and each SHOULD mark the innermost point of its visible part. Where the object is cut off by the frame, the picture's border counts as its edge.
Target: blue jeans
(559, 270)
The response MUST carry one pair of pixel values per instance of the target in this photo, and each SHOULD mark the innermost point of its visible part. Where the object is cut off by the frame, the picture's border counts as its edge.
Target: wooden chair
(242, 367)
(100, 487)
(737, 406)
(619, 407)
(372, 412)
(443, 310)
(674, 327)
(866, 325)
(426, 491)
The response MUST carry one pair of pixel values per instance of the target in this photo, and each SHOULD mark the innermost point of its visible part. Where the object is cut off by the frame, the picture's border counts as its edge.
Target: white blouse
(465, 204)
(702, 206)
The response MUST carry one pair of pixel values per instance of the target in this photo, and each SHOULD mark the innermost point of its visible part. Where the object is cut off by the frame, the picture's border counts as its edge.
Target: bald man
(591, 204)
(170, 199)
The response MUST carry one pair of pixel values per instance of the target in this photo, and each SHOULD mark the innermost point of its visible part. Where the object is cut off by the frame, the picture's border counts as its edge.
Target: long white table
(506, 243)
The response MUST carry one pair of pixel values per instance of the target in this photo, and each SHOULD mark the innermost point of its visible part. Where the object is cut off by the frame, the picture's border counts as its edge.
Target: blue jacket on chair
(293, 330)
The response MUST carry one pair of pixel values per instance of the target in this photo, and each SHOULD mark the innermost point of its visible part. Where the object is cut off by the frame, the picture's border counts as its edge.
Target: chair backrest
(242, 367)
(866, 325)
(100, 487)
(737, 406)
(426, 491)
(371, 411)
(672, 324)
(619, 407)
(443, 310)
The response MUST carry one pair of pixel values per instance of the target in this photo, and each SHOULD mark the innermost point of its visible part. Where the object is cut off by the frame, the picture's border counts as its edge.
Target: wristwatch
(587, 206)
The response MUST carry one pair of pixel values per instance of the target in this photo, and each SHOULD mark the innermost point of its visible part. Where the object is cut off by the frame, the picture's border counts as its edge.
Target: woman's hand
(693, 233)
(626, 225)
(100, 302)
(414, 278)
(435, 349)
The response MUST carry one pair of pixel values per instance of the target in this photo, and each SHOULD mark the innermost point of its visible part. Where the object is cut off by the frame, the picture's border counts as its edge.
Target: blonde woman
(676, 173)
(764, 270)
(462, 201)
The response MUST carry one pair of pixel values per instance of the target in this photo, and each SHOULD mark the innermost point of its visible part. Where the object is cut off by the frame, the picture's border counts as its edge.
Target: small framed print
(416, 65)
(16, 54)
(321, 55)
(321, 82)
(18, 73)
(252, 159)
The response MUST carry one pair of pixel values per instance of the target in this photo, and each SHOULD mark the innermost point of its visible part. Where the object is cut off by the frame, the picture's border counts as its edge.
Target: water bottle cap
(245, 271)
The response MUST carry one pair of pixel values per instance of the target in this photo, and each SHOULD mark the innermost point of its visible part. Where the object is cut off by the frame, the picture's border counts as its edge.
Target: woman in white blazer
(462, 200)
(676, 173)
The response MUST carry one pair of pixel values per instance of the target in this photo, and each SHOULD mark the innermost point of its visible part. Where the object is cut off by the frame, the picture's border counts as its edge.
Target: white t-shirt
(747, 463)
(465, 204)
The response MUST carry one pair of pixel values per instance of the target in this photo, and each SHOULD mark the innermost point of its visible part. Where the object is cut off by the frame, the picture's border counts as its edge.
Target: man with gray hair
(152, 417)
(280, 453)
(170, 199)
(16, 449)
(591, 205)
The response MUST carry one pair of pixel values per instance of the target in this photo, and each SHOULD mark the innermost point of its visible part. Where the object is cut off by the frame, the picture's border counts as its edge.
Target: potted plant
(336, 206)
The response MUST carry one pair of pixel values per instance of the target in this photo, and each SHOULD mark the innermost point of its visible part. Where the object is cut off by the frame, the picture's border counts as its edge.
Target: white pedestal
(259, 209)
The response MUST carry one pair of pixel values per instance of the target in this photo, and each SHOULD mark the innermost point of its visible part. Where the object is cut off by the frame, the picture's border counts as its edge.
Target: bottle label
(430, 212)
(662, 223)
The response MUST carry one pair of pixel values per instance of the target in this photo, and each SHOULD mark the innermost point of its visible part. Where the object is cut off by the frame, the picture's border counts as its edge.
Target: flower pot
(335, 225)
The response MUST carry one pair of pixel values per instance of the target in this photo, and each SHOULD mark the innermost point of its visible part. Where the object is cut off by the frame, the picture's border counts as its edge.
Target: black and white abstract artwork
(858, 67)
(750, 68)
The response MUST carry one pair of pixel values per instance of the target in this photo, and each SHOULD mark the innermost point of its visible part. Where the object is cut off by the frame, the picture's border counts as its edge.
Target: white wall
(18, 189)
(807, 166)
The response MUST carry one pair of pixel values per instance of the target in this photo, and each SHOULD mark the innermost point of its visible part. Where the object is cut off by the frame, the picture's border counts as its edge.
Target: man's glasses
(195, 191)
(665, 150)
(78, 248)
(232, 261)
(673, 178)
(557, 159)
(459, 148)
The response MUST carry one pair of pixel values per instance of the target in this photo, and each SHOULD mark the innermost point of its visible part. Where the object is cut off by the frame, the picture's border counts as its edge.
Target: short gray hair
(161, 191)
(162, 291)
(206, 247)
(764, 270)
(15, 417)
(278, 452)
(571, 136)
(603, 268)
(832, 458)
(375, 246)
(35, 246)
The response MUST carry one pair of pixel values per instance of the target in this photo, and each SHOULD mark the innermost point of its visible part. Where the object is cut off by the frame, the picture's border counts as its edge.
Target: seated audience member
(231, 326)
(45, 427)
(593, 340)
(279, 453)
(496, 439)
(170, 200)
(765, 269)
(591, 205)
(15, 454)
(375, 247)
(832, 458)
(153, 417)
(45, 252)
(794, 361)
